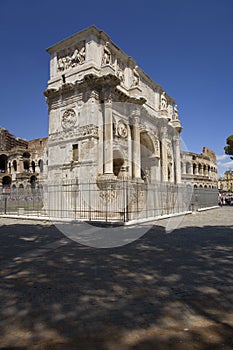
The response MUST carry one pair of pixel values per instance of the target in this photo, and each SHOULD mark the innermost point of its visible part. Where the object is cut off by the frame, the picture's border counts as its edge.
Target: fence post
(125, 189)
(89, 199)
(5, 203)
(106, 204)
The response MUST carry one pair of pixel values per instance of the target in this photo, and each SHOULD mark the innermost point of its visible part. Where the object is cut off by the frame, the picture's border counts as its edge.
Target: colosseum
(21, 162)
(199, 170)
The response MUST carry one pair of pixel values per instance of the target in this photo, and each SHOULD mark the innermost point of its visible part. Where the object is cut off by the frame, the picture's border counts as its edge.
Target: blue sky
(184, 45)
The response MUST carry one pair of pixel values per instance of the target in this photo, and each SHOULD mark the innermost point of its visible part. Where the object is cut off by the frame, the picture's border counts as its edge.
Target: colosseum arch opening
(15, 165)
(33, 181)
(6, 182)
(26, 165)
(3, 163)
(41, 165)
(26, 155)
(33, 165)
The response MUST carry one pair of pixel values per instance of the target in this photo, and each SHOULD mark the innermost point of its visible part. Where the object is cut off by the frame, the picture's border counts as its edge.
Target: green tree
(229, 148)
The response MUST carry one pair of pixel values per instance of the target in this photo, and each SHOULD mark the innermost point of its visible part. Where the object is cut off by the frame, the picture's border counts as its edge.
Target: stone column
(108, 137)
(136, 146)
(176, 145)
(37, 168)
(164, 154)
(173, 173)
(205, 170)
(130, 155)
(191, 169)
(20, 166)
(100, 147)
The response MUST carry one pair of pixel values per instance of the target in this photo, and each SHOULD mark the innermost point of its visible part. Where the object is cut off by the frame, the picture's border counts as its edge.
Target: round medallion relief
(68, 119)
(122, 129)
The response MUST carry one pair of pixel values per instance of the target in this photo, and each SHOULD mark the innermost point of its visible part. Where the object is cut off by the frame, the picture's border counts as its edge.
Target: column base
(138, 179)
(103, 181)
(106, 177)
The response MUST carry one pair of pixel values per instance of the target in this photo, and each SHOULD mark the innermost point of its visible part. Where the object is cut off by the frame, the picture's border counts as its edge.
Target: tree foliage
(229, 148)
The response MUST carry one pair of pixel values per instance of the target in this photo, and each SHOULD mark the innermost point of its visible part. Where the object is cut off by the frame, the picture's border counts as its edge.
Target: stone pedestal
(176, 124)
(135, 91)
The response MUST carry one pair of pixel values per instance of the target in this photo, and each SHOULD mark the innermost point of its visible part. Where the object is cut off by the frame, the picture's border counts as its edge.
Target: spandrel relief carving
(71, 57)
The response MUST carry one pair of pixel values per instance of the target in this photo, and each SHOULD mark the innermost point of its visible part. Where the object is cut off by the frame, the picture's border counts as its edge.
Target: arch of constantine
(108, 121)
(107, 116)
(113, 149)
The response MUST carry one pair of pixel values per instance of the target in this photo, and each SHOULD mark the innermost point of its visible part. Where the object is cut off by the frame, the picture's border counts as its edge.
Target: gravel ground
(172, 288)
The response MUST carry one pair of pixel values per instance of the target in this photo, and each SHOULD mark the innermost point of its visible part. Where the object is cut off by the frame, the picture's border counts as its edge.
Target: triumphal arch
(108, 120)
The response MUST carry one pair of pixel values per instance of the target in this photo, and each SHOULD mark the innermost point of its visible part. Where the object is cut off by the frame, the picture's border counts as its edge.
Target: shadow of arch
(6, 181)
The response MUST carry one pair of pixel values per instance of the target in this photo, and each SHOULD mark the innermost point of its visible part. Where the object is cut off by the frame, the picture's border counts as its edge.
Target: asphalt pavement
(170, 287)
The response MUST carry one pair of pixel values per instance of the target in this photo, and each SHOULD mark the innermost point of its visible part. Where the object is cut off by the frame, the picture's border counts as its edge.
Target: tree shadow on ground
(162, 291)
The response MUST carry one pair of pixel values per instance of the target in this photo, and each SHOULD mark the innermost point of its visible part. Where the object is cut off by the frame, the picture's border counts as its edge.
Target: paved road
(169, 289)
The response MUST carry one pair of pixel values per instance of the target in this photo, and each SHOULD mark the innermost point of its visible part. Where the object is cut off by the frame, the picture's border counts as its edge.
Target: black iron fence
(21, 201)
(120, 201)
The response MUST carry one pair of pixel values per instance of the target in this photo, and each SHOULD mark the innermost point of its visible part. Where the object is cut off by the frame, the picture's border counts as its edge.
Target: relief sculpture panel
(71, 57)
